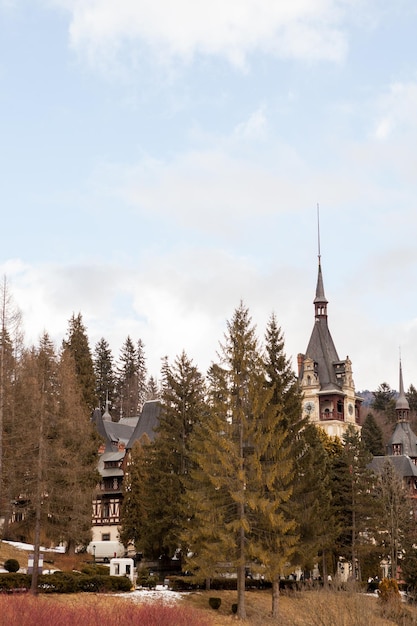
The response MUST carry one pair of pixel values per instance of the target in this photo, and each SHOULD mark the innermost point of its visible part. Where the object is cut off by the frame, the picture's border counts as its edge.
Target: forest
(236, 479)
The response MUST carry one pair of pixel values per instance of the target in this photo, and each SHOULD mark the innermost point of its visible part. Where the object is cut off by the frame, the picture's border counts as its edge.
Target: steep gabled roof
(147, 423)
(402, 464)
(404, 436)
(322, 350)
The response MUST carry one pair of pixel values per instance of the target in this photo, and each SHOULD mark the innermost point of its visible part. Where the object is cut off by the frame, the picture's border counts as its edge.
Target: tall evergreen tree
(77, 344)
(352, 487)
(384, 401)
(241, 479)
(104, 373)
(312, 501)
(127, 380)
(165, 463)
(411, 396)
(135, 513)
(372, 436)
(152, 391)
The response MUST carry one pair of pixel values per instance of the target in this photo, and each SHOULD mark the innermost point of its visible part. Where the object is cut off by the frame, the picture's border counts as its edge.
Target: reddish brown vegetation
(26, 610)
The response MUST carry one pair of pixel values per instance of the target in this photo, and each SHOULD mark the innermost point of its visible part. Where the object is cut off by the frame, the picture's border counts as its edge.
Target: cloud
(307, 30)
(396, 111)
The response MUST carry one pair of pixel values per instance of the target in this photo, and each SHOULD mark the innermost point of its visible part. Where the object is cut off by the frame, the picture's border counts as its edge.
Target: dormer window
(397, 449)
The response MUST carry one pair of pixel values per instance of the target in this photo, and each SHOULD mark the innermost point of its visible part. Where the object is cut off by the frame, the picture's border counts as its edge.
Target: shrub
(388, 590)
(95, 570)
(215, 603)
(13, 581)
(12, 565)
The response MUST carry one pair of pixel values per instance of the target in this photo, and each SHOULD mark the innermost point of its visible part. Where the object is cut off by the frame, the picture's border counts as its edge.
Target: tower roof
(321, 348)
(402, 402)
(320, 297)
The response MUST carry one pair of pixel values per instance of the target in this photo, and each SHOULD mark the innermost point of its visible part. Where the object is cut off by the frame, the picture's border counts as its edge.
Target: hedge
(65, 582)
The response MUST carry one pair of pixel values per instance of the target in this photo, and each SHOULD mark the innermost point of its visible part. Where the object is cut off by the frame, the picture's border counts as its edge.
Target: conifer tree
(57, 448)
(372, 436)
(312, 501)
(397, 515)
(127, 380)
(152, 390)
(241, 479)
(10, 348)
(165, 463)
(104, 373)
(135, 514)
(384, 401)
(77, 344)
(352, 485)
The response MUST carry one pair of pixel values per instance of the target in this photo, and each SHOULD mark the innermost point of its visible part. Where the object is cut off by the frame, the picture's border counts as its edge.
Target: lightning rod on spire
(318, 229)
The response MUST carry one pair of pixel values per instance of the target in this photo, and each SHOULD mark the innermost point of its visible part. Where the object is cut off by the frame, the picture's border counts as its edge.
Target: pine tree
(372, 436)
(77, 344)
(104, 373)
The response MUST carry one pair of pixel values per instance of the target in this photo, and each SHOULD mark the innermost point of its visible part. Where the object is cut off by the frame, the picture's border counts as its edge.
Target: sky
(160, 162)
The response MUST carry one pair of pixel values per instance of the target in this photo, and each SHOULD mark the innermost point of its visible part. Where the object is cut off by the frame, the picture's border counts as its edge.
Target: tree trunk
(38, 503)
(275, 597)
(241, 609)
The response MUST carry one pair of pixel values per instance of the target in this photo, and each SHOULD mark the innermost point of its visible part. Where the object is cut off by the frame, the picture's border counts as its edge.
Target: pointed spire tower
(403, 441)
(326, 381)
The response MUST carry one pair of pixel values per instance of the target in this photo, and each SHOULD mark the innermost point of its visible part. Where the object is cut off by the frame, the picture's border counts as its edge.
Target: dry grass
(10, 552)
(312, 608)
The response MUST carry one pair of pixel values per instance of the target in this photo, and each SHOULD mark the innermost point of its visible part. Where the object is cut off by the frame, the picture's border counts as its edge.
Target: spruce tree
(372, 436)
(163, 466)
(312, 501)
(77, 344)
(127, 380)
(135, 514)
(104, 373)
(358, 515)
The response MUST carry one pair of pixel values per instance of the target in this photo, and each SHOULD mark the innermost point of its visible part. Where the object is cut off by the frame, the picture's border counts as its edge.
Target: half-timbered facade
(119, 438)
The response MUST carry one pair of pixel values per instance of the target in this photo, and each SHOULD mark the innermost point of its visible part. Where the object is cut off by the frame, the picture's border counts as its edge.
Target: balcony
(332, 415)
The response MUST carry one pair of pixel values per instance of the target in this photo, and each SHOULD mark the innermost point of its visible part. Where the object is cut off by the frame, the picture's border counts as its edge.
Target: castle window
(396, 449)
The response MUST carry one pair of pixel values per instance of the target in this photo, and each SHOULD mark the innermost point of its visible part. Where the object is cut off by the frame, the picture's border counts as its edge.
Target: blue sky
(161, 161)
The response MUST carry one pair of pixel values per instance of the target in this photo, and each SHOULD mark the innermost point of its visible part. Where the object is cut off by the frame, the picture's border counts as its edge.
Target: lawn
(307, 608)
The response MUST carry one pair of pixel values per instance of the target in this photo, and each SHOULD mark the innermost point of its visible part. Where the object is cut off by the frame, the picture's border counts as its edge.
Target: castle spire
(401, 406)
(320, 302)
